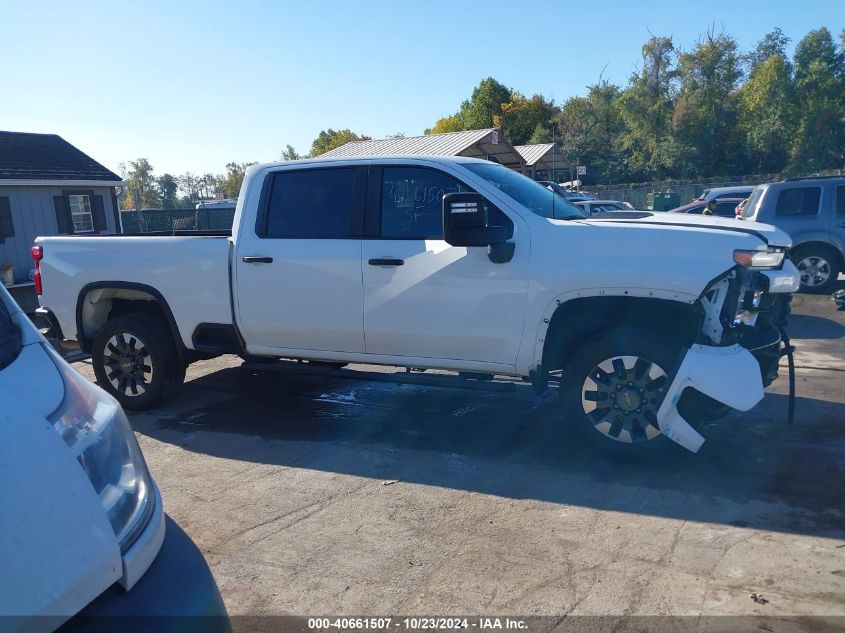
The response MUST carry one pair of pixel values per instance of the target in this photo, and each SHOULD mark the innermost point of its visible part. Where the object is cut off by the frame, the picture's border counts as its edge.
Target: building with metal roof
(542, 160)
(488, 144)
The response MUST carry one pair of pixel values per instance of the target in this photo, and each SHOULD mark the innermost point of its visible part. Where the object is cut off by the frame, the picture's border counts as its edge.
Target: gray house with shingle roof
(48, 187)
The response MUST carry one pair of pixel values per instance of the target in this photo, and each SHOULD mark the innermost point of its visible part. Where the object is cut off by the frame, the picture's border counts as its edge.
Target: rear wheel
(819, 268)
(612, 388)
(135, 360)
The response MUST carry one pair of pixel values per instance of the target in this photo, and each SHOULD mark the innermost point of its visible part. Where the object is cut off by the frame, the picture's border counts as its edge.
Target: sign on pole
(582, 170)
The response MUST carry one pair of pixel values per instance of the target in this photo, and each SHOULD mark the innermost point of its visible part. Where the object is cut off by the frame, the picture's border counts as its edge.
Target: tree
(820, 85)
(209, 186)
(520, 117)
(229, 184)
(289, 153)
(330, 139)
(190, 185)
(486, 102)
(646, 108)
(767, 114)
(542, 134)
(167, 187)
(773, 43)
(141, 185)
(705, 112)
(446, 124)
(591, 128)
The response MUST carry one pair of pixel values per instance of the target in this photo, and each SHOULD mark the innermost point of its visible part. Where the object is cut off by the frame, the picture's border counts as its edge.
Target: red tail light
(37, 256)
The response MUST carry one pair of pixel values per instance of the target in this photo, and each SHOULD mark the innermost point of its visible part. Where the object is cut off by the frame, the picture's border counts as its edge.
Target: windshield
(10, 337)
(529, 193)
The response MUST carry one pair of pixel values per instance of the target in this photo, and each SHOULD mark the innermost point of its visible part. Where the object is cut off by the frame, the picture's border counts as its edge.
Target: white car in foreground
(82, 526)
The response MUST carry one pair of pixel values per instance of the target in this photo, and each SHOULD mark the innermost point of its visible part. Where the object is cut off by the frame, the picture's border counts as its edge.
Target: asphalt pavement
(369, 490)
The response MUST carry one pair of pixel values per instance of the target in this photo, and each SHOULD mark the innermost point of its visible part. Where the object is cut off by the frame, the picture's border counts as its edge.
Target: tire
(819, 267)
(623, 369)
(135, 360)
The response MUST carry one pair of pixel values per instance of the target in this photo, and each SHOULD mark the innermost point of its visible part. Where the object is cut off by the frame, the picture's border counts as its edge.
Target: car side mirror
(466, 222)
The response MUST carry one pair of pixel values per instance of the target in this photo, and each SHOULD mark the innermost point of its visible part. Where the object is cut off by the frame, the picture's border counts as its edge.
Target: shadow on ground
(816, 327)
(754, 470)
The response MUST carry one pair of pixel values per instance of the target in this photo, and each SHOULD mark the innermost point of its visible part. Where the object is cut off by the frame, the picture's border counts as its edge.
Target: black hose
(788, 350)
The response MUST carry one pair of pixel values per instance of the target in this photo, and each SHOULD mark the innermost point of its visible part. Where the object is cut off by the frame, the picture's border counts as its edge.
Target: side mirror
(465, 221)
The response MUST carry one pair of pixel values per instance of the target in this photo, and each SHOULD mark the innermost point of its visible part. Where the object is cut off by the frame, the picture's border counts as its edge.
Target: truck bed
(190, 272)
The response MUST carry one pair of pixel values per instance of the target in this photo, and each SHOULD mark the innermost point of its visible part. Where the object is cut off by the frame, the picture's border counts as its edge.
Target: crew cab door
(298, 270)
(424, 298)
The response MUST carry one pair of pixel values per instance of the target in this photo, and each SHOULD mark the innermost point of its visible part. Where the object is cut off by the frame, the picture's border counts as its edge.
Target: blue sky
(192, 85)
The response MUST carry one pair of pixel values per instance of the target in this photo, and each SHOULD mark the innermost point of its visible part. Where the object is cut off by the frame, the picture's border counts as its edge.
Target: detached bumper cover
(730, 375)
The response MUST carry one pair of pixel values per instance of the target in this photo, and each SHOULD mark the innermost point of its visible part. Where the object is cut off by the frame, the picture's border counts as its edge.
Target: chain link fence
(637, 193)
(167, 220)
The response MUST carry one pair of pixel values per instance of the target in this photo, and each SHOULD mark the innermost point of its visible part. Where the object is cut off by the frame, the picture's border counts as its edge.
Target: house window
(80, 213)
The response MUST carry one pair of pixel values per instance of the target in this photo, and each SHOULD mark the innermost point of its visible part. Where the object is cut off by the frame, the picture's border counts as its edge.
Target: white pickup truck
(649, 321)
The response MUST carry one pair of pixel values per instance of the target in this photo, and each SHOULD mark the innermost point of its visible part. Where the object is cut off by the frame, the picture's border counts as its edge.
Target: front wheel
(135, 360)
(611, 388)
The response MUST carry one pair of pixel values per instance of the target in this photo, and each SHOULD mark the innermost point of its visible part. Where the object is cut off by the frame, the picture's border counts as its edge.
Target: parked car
(439, 262)
(566, 194)
(812, 211)
(725, 207)
(717, 193)
(600, 206)
(83, 531)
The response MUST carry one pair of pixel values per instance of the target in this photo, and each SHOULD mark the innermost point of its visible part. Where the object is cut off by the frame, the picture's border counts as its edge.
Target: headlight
(95, 428)
(770, 258)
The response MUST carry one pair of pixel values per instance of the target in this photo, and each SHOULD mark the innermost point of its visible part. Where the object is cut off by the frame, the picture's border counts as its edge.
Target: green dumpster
(663, 201)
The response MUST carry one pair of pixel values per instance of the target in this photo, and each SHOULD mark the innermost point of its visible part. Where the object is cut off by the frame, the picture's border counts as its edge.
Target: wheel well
(579, 319)
(823, 246)
(98, 305)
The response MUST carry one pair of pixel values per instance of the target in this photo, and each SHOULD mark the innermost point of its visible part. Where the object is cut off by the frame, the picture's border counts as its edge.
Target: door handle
(387, 261)
(257, 259)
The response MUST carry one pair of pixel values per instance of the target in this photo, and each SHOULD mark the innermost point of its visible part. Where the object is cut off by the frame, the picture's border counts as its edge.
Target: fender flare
(84, 343)
(828, 240)
(536, 359)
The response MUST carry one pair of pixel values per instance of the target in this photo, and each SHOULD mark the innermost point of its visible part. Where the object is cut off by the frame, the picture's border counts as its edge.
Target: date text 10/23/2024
(417, 623)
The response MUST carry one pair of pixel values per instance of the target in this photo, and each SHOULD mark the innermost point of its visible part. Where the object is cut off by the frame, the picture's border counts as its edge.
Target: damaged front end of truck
(737, 352)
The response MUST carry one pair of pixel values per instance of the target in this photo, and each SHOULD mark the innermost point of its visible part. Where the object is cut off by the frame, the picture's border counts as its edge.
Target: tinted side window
(317, 203)
(412, 202)
(840, 200)
(798, 201)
